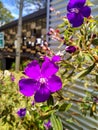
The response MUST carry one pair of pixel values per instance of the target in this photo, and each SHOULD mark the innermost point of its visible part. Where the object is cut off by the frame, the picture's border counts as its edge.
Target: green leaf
(89, 3)
(61, 25)
(45, 117)
(80, 57)
(12, 118)
(56, 122)
(88, 57)
(50, 101)
(85, 72)
(65, 107)
(44, 107)
(95, 42)
(97, 78)
(68, 106)
(93, 109)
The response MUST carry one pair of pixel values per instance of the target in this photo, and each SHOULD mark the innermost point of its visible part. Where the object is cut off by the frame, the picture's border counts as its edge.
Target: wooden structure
(33, 32)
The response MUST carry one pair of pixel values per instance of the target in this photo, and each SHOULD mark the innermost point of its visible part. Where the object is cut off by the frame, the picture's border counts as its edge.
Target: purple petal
(70, 49)
(86, 11)
(27, 87)
(75, 4)
(47, 125)
(76, 19)
(49, 68)
(46, 58)
(95, 99)
(12, 77)
(42, 94)
(54, 83)
(56, 58)
(21, 112)
(33, 70)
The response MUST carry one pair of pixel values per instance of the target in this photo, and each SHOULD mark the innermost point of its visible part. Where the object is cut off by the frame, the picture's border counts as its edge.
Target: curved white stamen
(42, 80)
(74, 10)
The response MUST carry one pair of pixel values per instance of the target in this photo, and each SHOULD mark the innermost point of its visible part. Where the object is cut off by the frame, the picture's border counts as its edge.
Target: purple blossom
(95, 99)
(55, 58)
(77, 10)
(21, 112)
(41, 81)
(70, 49)
(12, 77)
(47, 125)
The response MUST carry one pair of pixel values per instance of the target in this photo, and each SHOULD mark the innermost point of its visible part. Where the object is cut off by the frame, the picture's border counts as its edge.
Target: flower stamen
(42, 80)
(75, 10)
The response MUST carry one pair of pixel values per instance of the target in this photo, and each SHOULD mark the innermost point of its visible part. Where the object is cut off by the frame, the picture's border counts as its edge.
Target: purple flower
(21, 112)
(95, 99)
(77, 10)
(70, 49)
(55, 58)
(12, 77)
(41, 81)
(47, 125)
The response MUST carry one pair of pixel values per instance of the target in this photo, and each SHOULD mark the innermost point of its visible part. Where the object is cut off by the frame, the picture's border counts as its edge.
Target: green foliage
(81, 65)
(11, 102)
(5, 14)
(65, 107)
(85, 72)
(56, 122)
(50, 101)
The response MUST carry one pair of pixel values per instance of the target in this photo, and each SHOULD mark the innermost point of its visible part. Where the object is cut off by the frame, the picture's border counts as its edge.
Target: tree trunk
(19, 39)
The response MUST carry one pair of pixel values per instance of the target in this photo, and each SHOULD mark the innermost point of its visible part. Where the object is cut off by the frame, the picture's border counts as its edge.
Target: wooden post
(19, 33)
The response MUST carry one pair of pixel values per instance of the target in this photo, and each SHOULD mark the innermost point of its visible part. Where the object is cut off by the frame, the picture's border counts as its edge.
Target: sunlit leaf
(85, 72)
(56, 122)
(65, 107)
(89, 3)
(61, 25)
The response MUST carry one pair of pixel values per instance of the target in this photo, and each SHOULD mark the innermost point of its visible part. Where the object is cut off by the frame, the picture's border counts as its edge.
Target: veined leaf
(85, 72)
(68, 106)
(56, 122)
(63, 107)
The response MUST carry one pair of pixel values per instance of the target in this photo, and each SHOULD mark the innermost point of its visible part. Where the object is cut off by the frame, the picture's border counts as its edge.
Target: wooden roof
(36, 15)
